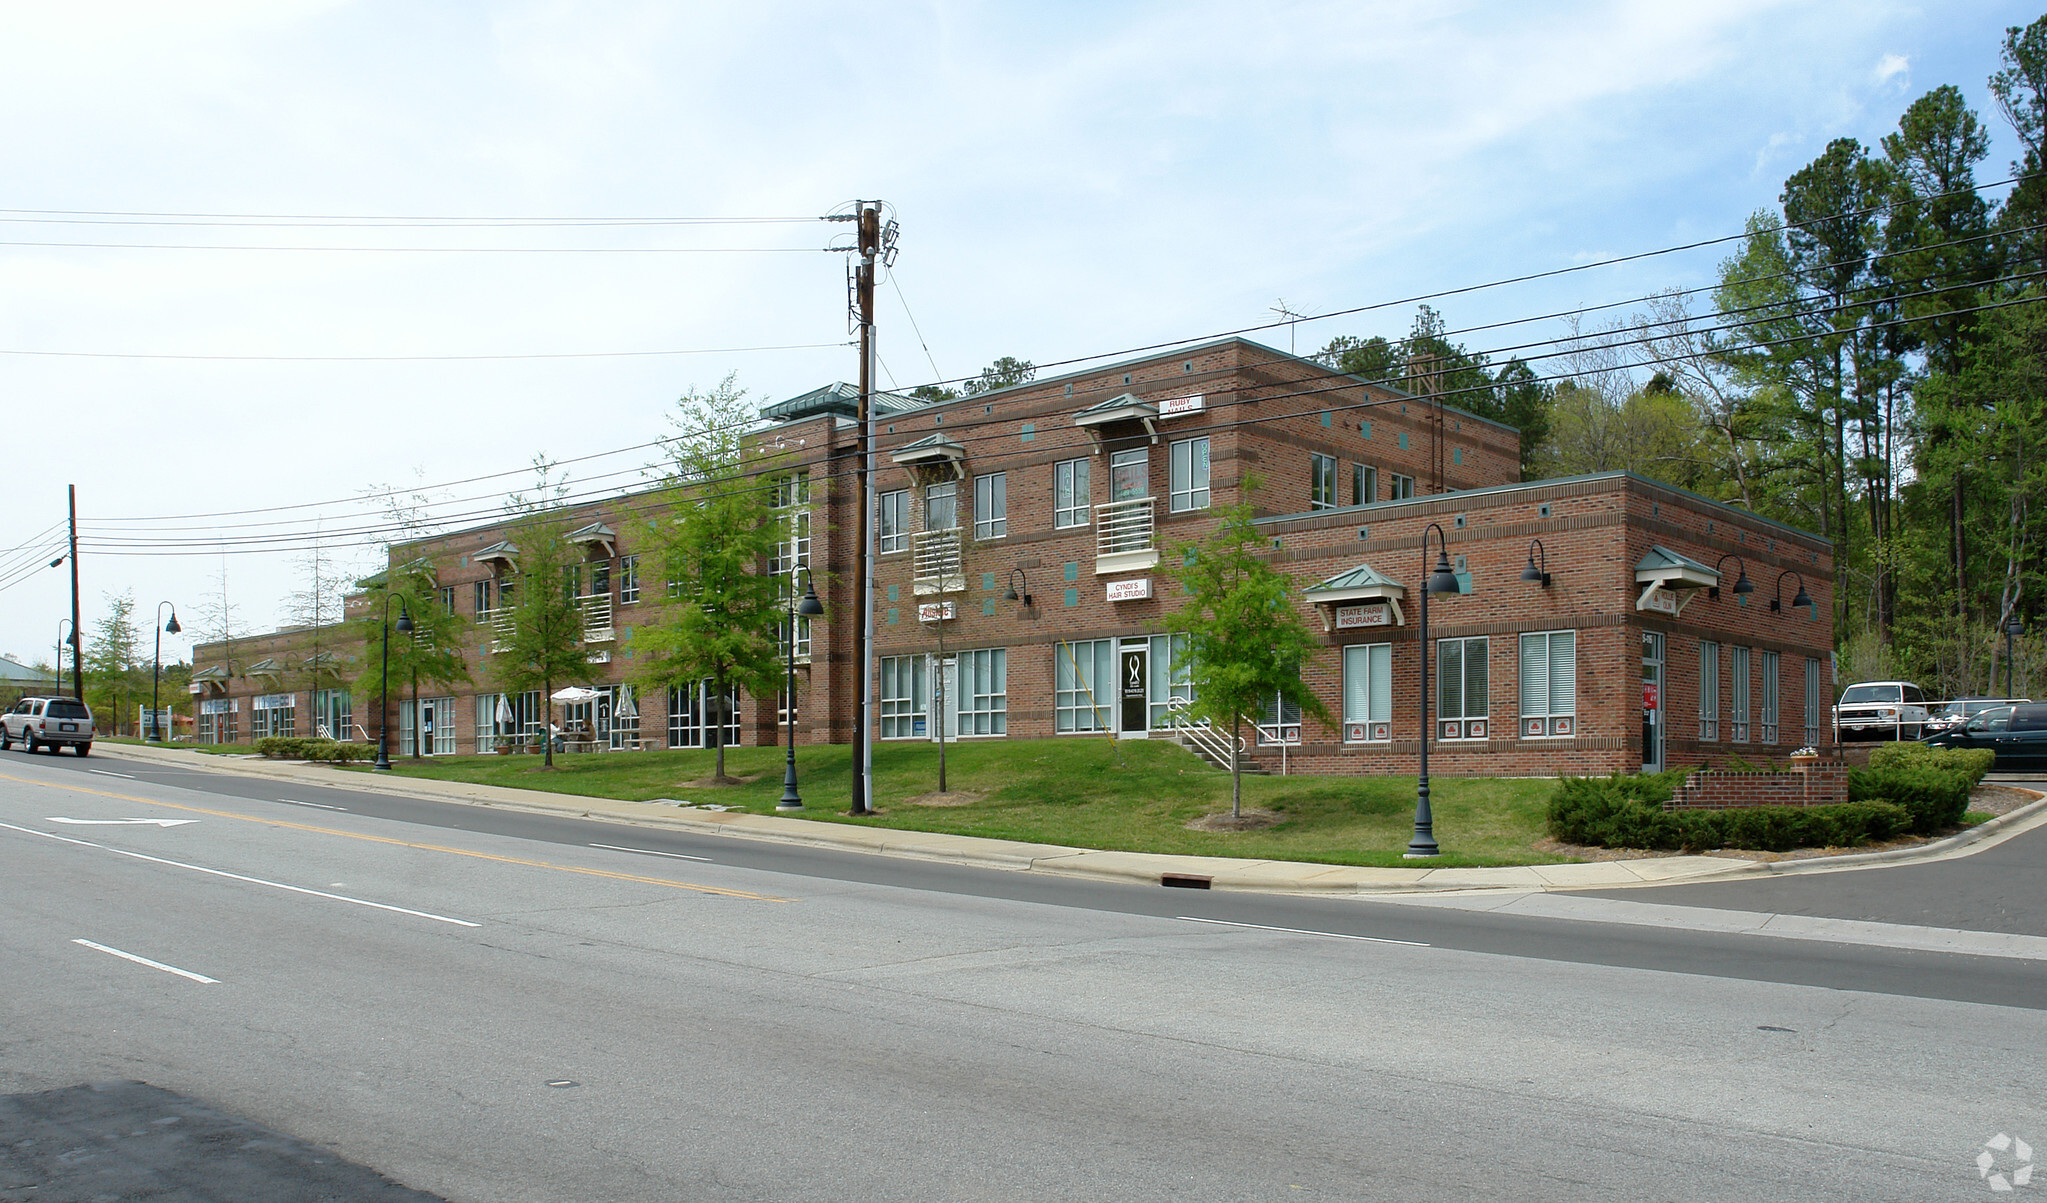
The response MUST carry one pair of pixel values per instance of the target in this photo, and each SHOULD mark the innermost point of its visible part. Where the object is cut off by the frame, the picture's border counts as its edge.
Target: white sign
(1182, 405)
(1660, 600)
(600, 656)
(1352, 617)
(1121, 591)
(935, 612)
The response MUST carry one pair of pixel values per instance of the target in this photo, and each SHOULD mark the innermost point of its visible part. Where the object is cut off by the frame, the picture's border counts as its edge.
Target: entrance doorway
(1654, 702)
(1133, 676)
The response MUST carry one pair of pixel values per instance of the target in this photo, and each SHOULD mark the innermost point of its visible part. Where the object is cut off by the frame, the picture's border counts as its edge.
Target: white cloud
(1890, 67)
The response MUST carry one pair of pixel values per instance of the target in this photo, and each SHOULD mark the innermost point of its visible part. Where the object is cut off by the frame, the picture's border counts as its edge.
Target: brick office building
(1075, 493)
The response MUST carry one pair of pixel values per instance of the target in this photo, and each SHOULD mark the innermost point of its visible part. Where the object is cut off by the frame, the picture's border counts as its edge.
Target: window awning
(1125, 408)
(265, 667)
(504, 552)
(594, 535)
(936, 450)
(1358, 597)
(1670, 580)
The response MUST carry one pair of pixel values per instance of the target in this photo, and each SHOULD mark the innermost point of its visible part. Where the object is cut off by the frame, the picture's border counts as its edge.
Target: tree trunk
(418, 727)
(547, 721)
(716, 707)
(1236, 766)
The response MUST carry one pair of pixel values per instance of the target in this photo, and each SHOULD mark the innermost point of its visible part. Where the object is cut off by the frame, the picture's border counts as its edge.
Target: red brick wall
(1716, 789)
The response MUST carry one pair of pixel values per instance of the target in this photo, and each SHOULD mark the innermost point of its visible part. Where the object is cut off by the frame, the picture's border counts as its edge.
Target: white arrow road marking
(650, 852)
(120, 822)
(319, 805)
(129, 956)
(105, 773)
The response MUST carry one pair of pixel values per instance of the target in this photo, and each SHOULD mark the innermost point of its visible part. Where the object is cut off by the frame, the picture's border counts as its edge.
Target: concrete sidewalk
(1210, 872)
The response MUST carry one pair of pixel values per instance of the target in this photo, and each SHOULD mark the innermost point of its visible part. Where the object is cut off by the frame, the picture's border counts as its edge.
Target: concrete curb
(1202, 872)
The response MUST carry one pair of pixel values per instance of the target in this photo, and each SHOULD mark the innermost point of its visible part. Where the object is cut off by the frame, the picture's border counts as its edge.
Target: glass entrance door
(1654, 702)
(1133, 709)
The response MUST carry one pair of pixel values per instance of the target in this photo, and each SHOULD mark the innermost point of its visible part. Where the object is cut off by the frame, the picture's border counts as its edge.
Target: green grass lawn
(1090, 793)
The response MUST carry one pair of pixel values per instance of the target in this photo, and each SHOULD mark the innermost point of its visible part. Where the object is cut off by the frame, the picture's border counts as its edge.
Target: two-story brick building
(1025, 543)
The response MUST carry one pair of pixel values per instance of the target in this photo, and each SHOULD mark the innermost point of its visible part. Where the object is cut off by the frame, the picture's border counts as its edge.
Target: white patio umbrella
(626, 709)
(575, 693)
(504, 714)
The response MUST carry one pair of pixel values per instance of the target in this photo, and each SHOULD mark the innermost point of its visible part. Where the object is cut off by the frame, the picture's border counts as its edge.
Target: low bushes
(1627, 812)
(287, 747)
(1931, 783)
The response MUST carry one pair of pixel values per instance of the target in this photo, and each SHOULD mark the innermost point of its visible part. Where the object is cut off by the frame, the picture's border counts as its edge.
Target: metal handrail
(597, 617)
(936, 555)
(1203, 735)
(1122, 526)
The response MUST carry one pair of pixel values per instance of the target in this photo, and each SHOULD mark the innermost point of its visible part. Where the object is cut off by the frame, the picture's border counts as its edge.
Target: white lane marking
(1296, 931)
(320, 805)
(201, 978)
(277, 885)
(650, 852)
(121, 822)
(104, 773)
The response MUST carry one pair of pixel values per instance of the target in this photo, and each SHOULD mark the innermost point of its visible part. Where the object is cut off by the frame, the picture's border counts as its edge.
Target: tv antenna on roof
(1291, 319)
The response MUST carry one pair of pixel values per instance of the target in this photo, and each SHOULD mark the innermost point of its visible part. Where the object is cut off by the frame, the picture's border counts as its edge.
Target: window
(482, 598)
(1738, 718)
(624, 713)
(984, 692)
(904, 688)
(1461, 701)
(1171, 678)
(628, 580)
(447, 599)
(1279, 722)
(991, 506)
(1083, 685)
(508, 593)
(1321, 482)
(1188, 488)
(1549, 685)
(1368, 693)
(892, 520)
(792, 489)
(600, 578)
(1402, 488)
(273, 714)
(572, 581)
(942, 506)
(1129, 475)
(438, 717)
(694, 713)
(1766, 716)
(1069, 493)
(1364, 484)
(1812, 702)
(1709, 690)
(217, 720)
(333, 716)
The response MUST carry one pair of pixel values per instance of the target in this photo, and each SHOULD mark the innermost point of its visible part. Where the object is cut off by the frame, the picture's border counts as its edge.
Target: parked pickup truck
(1881, 710)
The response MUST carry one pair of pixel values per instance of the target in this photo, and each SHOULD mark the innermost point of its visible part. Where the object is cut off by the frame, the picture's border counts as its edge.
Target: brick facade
(1265, 416)
(1821, 784)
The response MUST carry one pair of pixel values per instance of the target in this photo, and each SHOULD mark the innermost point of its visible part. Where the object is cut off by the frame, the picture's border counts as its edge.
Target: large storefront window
(1461, 703)
(1172, 677)
(1083, 685)
(693, 717)
(1549, 685)
(1368, 693)
(904, 694)
(217, 720)
(437, 716)
(984, 692)
(333, 714)
(273, 714)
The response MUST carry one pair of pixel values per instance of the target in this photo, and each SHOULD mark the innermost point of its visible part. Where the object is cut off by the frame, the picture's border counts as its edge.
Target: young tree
(112, 659)
(431, 652)
(723, 616)
(220, 618)
(316, 605)
(1244, 639)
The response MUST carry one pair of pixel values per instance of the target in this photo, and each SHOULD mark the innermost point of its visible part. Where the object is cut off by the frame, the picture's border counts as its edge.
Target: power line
(435, 250)
(424, 358)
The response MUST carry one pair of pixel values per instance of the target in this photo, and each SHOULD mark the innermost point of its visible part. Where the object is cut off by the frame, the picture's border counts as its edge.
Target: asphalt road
(481, 1004)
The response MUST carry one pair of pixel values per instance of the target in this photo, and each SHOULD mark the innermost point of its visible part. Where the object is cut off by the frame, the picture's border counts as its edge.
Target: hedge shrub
(290, 747)
(1621, 812)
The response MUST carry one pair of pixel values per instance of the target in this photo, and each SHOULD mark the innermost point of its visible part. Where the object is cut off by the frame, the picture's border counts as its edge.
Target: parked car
(1881, 710)
(1945, 716)
(48, 723)
(2018, 734)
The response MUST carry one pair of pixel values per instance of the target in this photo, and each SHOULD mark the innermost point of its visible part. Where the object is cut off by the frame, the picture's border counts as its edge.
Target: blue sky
(1071, 180)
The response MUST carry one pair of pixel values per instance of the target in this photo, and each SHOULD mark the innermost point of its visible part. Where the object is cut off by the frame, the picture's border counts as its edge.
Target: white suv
(48, 723)
(1881, 710)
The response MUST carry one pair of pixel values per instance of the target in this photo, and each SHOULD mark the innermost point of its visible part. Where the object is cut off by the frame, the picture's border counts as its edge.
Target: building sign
(1372, 614)
(1121, 591)
(600, 656)
(1182, 405)
(1648, 695)
(936, 612)
(1660, 601)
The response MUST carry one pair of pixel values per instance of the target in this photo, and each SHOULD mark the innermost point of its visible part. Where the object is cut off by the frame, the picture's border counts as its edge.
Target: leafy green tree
(721, 526)
(1245, 641)
(544, 647)
(1003, 373)
(430, 653)
(2021, 90)
(112, 661)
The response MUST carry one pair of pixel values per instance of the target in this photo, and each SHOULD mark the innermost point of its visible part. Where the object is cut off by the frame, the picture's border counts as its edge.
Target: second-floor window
(1070, 493)
(1322, 482)
(1364, 484)
(483, 605)
(1189, 485)
(1402, 488)
(628, 580)
(448, 598)
(942, 506)
(991, 506)
(892, 520)
(1129, 475)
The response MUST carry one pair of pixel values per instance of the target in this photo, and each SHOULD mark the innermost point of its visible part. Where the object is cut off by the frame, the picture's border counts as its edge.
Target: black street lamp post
(156, 670)
(384, 709)
(57, 671)
(809, 607)
(1439, 580)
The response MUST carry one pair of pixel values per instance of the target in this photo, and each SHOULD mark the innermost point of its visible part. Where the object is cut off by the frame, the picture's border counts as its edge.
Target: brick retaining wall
(1806, 785)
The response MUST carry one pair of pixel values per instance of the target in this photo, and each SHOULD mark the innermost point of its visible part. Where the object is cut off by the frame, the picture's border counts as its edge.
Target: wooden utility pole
(863, 643)
(77, 647)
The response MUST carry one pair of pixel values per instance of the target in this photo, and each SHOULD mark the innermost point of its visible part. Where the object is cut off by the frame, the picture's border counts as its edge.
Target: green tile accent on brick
(988, 605)
(1403, 440)
(893, 596)
(1325, 419)
(1073, 597)
(892, 616)
(1457, 455)
(1365, 428)
(1073, 570)
(987, 582)
(1030, 431)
